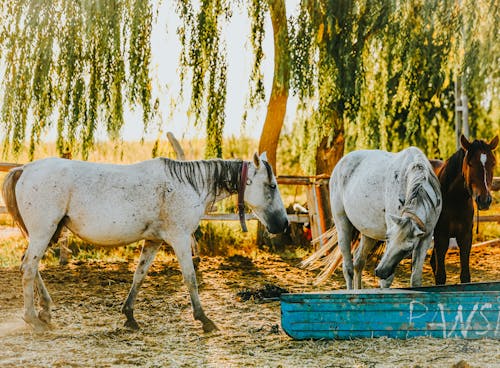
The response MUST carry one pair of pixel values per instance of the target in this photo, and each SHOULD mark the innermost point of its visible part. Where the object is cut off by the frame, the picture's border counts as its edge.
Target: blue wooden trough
(467, 311)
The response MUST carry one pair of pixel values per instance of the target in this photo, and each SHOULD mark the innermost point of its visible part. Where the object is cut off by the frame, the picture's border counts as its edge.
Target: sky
(164, 72)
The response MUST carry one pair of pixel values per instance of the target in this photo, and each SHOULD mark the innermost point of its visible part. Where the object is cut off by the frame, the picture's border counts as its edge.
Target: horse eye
(272, 186)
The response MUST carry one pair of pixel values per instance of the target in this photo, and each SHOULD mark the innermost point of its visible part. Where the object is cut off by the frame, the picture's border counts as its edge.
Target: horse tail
(10, 200)
(327, 256)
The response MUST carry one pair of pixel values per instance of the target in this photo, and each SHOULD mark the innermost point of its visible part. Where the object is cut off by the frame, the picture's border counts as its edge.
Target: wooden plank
(308, 180)
(488, 218)
(6, 166)
(226, 217)
(300, 218)
(496, 184)
(442, 312)
(302, 180)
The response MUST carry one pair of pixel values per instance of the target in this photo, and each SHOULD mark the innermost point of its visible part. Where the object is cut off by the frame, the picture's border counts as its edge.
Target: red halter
(241, 194)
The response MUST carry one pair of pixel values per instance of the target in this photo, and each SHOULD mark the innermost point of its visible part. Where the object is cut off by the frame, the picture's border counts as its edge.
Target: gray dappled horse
(391, 197)
(159, 200)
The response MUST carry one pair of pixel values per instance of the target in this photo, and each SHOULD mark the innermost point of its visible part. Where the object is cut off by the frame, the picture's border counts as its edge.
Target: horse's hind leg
(345, 233)
(182, 248)
(29, 269)
(45, 299)
(148, 253)
(365, 247)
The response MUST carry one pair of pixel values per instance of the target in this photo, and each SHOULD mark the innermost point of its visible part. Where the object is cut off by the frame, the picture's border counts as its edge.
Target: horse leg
(417, 263)
(386, 283)
(182, 249)
(365, 247)
(438, 256)
(45, 300)
(148, 253)
(465, 245)
(195, 248)
(29, 269)
(345, 233)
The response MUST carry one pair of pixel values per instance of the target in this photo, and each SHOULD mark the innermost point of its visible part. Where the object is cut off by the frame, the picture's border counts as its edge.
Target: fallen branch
(487, 243)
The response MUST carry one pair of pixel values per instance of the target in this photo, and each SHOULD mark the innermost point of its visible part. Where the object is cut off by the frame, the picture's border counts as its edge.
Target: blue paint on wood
(468, 311)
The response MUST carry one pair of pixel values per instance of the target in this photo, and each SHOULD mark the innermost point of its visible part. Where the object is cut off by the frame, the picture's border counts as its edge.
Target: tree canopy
(367, 73)
(72, 63)
(383, 72)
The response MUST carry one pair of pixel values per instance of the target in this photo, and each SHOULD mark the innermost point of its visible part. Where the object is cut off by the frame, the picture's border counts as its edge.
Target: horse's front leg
(365, 247)
(148, 253)
(182, 248)
(465, 245)
(418, 258)
(441, 242)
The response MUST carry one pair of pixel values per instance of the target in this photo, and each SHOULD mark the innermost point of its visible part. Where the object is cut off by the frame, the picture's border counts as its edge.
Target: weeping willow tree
(406, 94)
(329, 38)
(72, 64)
(204, 56)
(410, 97)
(380, 74)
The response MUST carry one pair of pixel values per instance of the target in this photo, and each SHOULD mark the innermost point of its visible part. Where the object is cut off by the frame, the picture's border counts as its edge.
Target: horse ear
(263, 156)
(256, 160)
(397, 220)
(494, 143)
(464, 142)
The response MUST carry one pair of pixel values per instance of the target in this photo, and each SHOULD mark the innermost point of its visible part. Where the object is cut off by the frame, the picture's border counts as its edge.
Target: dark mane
(269, 171)
(215, 175)
(452, 169)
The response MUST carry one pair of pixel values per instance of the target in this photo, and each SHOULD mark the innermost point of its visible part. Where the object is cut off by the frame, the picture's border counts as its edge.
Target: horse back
(437, 166)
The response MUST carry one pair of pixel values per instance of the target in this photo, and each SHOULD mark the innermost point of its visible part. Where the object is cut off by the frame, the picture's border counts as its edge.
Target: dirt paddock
(89, 328)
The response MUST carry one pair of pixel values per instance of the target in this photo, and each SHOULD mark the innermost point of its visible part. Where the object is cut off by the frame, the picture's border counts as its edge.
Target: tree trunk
(327, 156)
(276, 107)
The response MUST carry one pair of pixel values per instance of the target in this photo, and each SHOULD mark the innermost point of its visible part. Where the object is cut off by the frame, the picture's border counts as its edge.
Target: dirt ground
(89, 333)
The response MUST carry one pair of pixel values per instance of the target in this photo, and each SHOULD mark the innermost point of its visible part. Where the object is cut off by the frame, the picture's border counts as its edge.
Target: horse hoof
(44, 316)
(38, 325)
(131, 324)
(209, 326)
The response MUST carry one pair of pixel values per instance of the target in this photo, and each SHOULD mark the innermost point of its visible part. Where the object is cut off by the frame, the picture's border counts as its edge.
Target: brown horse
(466, 175)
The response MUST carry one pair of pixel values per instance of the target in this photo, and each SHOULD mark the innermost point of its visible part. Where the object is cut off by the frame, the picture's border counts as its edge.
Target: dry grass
(88, 295)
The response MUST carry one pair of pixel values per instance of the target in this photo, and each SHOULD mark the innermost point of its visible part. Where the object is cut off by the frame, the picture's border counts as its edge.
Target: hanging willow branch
(256, 13)
(65, 61)
(204, 55)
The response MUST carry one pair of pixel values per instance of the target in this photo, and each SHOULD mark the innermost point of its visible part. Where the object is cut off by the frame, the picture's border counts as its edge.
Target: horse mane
(216, 175)
(452, 169)
(418, 175)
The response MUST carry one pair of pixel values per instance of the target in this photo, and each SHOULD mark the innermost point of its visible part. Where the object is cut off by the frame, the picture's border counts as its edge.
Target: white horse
(158, 200)
(392, 197)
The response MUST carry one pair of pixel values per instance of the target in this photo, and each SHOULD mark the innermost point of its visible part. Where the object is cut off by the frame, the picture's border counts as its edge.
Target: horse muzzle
(483, 201)
(277, 224)
(384, 272)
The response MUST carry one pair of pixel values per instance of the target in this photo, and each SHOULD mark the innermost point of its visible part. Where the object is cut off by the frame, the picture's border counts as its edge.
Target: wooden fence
(316, 216)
